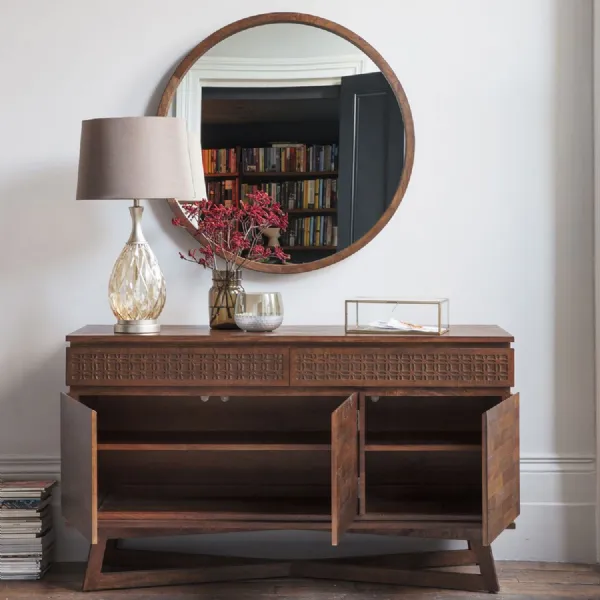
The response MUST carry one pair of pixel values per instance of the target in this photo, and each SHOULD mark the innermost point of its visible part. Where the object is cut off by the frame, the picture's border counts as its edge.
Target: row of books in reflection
(26, 531)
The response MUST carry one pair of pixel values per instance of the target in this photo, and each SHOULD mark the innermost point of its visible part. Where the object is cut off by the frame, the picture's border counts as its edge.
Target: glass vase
(226, 287)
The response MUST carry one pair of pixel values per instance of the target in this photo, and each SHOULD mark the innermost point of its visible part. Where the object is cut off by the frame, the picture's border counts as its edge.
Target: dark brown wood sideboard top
(320, 333)
(306, 428)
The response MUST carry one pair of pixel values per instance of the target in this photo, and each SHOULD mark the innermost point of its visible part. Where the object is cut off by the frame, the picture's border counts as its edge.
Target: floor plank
(518, 581)
(508, 565)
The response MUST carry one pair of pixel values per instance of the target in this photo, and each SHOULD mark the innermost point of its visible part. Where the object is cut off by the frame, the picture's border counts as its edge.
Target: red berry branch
(233, 233)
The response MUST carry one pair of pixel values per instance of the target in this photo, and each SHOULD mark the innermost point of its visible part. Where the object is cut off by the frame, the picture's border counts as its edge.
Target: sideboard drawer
(408, 367)
(176, 366)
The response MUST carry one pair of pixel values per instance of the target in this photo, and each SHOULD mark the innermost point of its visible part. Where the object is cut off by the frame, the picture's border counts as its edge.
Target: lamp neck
(136, 202)
(136, 237)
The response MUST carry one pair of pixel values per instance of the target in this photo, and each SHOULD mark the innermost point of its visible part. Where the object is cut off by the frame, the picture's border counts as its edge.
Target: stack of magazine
(26, 532)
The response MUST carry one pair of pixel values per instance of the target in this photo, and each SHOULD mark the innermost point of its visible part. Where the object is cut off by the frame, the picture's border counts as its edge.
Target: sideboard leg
(409, 569)
(485, 560)
(148, 568)
(93, 570)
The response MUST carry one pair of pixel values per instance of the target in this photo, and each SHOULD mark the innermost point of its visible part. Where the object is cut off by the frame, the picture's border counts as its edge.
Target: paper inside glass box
(398, 316)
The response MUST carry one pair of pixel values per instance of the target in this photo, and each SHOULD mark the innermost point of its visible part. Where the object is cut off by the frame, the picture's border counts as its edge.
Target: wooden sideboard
(306, 428)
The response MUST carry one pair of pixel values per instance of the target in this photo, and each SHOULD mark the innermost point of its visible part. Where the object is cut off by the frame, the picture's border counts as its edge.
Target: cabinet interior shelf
(306, 248)
(133, 506)
(289, 174)
(311, 211)
(246, 441)
(418, 441)
(296, 441)
(428, 505)
(221, 175)
(424, 505)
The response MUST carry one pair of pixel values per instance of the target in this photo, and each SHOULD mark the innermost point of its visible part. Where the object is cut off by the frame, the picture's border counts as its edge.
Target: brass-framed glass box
(398, 316)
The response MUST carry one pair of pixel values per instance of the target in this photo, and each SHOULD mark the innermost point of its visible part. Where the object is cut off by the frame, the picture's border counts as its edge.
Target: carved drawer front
(178, 366)
(435, 367)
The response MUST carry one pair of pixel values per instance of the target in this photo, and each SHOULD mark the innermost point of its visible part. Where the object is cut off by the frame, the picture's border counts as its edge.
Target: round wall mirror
(309, 112)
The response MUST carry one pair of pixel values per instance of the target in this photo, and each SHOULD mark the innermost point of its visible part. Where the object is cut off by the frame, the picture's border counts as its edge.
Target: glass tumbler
(259, 311)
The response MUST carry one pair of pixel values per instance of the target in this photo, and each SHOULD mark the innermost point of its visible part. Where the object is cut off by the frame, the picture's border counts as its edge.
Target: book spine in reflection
(291, 158)
(216, 161)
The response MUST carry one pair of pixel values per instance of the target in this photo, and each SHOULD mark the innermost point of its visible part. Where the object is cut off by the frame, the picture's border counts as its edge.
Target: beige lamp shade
(195, 152)
(135, 157)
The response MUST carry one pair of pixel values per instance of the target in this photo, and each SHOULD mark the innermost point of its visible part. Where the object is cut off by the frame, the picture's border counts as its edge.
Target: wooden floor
(518, 581)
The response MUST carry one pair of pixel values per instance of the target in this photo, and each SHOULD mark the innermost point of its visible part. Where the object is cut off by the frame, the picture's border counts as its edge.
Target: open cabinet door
(501, 476)
(344, 467)
(78, 467)
(371, 153)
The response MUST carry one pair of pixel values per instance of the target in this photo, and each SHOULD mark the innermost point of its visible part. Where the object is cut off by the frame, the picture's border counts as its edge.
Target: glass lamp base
(136, 289)
(140, 326)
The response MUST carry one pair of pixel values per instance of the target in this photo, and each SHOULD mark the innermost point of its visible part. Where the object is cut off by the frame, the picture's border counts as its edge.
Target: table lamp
(134, 158)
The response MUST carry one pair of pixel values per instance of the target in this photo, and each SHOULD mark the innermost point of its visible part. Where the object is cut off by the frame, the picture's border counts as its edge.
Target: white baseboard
(557, 522)
(553, 463)
(12, 465)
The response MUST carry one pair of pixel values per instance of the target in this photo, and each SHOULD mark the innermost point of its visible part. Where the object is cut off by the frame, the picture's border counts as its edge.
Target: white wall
(498, 215)
(284, 40)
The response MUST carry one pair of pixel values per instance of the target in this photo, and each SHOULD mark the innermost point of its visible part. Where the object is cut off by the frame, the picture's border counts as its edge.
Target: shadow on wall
(49, 250)
(162, 210)
(572, 291)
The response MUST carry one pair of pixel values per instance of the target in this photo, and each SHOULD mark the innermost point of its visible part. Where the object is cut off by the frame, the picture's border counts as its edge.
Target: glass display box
(398, 316)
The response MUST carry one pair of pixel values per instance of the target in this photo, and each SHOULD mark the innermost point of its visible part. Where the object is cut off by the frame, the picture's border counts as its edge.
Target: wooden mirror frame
(288, 17)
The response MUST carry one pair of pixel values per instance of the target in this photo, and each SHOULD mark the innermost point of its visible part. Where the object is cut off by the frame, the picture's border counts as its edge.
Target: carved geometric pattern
(175, 366)
(468, 367)
(501, 475)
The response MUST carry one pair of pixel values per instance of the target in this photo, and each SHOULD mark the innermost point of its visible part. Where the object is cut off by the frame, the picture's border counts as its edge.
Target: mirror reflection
(304, 115)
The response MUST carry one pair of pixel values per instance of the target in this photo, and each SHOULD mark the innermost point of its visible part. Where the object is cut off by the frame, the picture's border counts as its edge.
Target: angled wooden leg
(410, 569)
(93, 570)
(485, 560)
(158, 577)
(376, 574)
(169, 568)
(417, 560)
(399, 569)
(165, 568)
